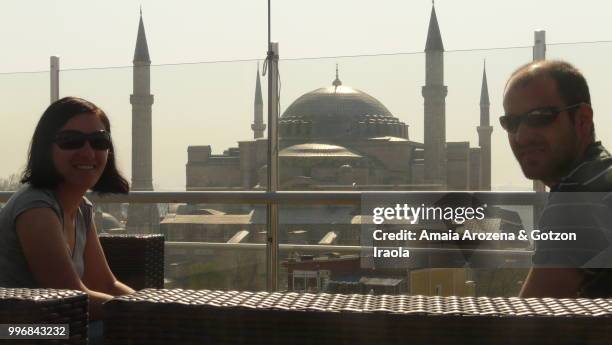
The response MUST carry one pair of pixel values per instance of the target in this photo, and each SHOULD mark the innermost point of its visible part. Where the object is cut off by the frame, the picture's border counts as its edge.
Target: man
(550, 128)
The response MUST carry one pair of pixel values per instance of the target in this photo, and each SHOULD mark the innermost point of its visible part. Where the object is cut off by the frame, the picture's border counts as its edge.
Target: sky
(205, 53)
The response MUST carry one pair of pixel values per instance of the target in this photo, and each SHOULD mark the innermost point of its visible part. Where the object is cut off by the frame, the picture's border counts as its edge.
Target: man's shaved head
(571, 84)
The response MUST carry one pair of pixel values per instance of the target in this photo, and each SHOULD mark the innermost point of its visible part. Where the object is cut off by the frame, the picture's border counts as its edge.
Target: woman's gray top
(14, 270)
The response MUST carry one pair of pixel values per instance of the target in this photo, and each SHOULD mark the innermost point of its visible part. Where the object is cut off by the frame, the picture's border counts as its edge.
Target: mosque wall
(215, 172)
(475, 170)
(458, 165)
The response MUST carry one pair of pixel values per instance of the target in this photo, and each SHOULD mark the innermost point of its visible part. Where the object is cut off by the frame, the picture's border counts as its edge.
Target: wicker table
(228, 317)
(45, 306)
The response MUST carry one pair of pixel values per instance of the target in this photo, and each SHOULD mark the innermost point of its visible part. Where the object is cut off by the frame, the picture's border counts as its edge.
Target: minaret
(142, 218)
(258, 126)
(434, 92)
(484, 134)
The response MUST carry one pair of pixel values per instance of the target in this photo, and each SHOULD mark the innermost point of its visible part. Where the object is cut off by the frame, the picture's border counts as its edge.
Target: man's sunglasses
(535, 118)
(72, 140)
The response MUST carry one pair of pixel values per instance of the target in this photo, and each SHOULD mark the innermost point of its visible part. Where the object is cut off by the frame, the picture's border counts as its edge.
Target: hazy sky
(211, 103)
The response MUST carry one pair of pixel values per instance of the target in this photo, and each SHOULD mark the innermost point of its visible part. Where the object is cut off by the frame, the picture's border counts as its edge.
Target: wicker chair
(137, 260)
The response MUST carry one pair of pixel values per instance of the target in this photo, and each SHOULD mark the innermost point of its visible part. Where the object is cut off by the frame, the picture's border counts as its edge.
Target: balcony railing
(293, 198)
(296, 197)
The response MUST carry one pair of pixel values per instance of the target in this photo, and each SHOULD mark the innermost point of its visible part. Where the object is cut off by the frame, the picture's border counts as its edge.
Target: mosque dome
(338, 112)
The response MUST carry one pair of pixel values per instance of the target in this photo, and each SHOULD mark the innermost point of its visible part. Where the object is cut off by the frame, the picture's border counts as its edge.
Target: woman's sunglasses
(72, 140)
(536, 118)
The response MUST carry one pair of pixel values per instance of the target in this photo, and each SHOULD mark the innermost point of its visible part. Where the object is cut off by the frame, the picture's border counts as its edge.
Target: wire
(311, 58)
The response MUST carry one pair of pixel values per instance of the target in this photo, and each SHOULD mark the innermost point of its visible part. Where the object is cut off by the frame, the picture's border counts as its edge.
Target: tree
(10, 183)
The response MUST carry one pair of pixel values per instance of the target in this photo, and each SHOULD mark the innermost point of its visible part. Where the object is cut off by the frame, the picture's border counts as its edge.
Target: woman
(47, 234)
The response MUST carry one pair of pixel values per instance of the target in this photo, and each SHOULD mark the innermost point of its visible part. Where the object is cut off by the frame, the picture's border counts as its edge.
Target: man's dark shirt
(582, 204)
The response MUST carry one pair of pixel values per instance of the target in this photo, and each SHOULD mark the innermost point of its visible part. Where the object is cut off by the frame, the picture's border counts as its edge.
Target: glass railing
(24, 98)
(592, 60)
(365, 129)
(343, 248)
(200, 115)
(324, 246)
(208, 246)
(332, 139)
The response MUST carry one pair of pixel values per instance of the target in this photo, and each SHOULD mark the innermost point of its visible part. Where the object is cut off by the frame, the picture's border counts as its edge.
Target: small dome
(110, 222)
(317, 150)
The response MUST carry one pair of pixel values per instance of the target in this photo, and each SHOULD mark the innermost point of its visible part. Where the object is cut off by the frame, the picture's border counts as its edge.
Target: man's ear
(584, 121)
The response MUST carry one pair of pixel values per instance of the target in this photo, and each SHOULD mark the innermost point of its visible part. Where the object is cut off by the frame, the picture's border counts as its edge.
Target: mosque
(340, 138)
(333, 138)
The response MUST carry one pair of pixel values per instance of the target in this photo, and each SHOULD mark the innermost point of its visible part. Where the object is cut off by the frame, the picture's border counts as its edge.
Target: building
(338, 137)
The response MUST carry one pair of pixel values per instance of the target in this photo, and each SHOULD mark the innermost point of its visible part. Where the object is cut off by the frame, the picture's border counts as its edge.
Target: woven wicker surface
(45, 306)
(229, 317)
(137, 260)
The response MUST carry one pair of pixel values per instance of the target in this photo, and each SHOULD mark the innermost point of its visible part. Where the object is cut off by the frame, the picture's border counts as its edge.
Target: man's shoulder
(592, 175)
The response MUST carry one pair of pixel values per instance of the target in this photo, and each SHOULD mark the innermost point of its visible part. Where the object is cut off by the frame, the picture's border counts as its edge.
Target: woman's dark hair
(40, 171)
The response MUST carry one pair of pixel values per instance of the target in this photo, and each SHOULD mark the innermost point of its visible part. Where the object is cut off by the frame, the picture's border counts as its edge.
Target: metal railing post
(539, 53)
(54, 77)
(539, 45)
(298, 198)
(272, 208)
